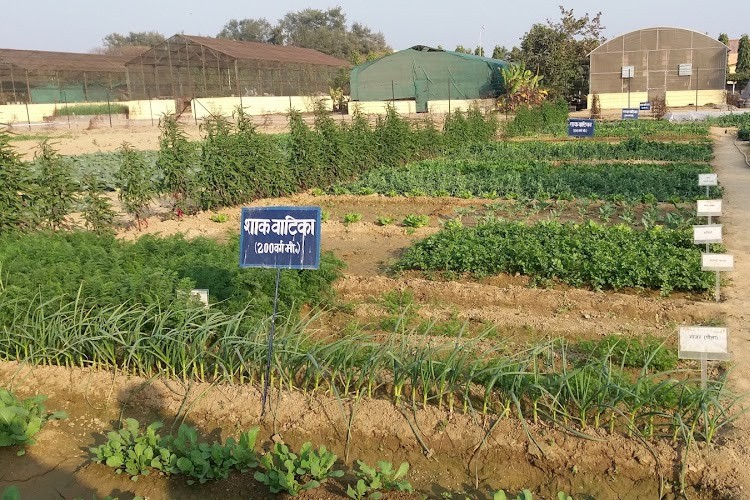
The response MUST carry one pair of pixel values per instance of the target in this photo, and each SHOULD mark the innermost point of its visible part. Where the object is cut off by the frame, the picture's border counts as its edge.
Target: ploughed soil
(448, 452)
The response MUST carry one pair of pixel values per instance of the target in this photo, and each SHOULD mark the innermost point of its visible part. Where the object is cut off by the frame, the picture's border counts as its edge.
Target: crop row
(541, 180)
(104, 271)
(206, 344)
(577, 254)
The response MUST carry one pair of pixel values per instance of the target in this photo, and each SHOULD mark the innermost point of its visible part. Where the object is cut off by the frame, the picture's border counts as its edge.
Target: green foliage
(133, 179)
(55, 199)
(549, 117)
(522, 88)
(351, 218)
(492, 171)
(415, 220)
(220, 218)
(11, 493)
(92, 109)
(21, 420)
(743, 57)
(293, 473)
(577, 254)
(138, 452)
(97, 210)
(524, 495)
(383, 477)
(104, 271)
(631, 352)
(15, 187)
(743, 134)
(384, 221)
(176, 161)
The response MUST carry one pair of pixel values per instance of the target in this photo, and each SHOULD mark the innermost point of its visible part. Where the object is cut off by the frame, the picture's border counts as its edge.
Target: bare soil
(604, 466)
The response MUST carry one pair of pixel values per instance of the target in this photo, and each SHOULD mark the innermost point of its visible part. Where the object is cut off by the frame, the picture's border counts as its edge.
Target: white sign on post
(708, 179)
(717, 262)
(704, 342)
(707, 234)
(709, 208)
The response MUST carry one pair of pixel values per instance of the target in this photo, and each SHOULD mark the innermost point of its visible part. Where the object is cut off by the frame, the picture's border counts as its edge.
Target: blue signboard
(629, 114)
(645, 106)
(582, 127)
(280, 237)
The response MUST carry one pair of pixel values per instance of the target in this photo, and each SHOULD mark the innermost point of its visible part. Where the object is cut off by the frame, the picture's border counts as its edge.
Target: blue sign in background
(645, 106)
(280, 237)
(583, 127)
(630, 114)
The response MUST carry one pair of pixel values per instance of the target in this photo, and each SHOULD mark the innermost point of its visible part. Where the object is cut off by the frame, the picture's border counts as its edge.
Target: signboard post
(279, 238)
(708, 180)
(704, 343)
(630, 113)
(583, 127)
(645, 106)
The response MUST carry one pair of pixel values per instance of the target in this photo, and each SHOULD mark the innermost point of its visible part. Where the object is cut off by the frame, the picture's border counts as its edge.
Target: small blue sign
(629, 114)
(582, 127)
(645, 106)
(280, 237)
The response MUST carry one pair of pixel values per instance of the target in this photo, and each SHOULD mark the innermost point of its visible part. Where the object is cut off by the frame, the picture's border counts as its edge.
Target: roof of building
(671, 44)
(253, 51)
(34, 60)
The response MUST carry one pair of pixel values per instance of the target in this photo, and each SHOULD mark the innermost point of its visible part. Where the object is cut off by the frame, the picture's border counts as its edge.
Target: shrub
(21, 420)
(659, 107)
(596, 107)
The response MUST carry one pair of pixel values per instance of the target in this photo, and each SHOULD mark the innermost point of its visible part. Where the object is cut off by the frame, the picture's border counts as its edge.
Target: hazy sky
(80, 25)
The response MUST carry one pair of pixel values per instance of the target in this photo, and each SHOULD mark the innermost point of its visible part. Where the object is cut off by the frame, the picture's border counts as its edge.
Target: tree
(251, 30)
(559, 51)
(743, 59)
(522, 88)
(461, 49)
(501, 52)
(479, 51)
(143, 38)
(724, 38)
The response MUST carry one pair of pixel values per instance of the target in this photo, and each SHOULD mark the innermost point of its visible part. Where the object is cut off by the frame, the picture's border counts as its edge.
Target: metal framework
(30, 76)
(656, 55)
(186, 67)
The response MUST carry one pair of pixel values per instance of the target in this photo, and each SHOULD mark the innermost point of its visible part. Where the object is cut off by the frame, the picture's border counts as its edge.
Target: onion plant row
(545, 382)
(496, 177)
(590, 254)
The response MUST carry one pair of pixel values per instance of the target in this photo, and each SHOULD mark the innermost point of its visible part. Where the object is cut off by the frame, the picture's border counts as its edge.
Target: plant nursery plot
(527, 341)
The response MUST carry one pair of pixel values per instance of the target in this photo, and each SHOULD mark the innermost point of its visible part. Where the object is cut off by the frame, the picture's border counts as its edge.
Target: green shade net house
(426, 74)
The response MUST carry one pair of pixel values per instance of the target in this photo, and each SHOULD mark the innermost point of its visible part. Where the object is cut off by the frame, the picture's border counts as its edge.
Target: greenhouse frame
(187, 67)
(41, 77)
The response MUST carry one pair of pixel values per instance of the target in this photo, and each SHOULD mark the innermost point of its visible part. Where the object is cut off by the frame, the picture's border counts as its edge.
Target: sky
(80, 25)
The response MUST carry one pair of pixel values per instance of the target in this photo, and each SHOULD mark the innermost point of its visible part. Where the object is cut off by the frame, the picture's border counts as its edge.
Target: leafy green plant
(21, 420)
(138, 452)
(133, 179)
(524, 495)
(416, 221)
(373, 480)
(384, 221)
(92, 109)
(15, 187)
(351, 218)
(97, 210)
(134, 451)
(220, 218)
(293, 473)
(11, 493)
(56, 197)
(176, 161)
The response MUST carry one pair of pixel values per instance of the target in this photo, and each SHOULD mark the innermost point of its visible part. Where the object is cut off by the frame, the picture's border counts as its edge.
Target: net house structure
(424, 79)
(186, 67)
(42, 77)
(682, 66)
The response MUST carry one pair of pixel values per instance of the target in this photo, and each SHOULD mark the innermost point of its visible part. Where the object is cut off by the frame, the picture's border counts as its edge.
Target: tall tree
(559, 51)
(250, 30)
(724, 38)
(743, 59)
(462, 49)
(146, 38)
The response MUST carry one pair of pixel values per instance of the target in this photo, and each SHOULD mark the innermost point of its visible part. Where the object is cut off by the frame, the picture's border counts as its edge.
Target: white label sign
(708, 179)
(710, 233)
(703, 342)
(628, 71)
(717, 262)
(685, 69)
(709, 208)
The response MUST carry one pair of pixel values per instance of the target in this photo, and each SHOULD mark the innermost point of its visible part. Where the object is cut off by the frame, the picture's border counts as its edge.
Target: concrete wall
(408, 107)
(675, 99)
(226, 106)
(139, 110)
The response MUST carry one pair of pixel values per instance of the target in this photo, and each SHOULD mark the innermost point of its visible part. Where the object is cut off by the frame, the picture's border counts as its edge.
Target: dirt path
(734, 175)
